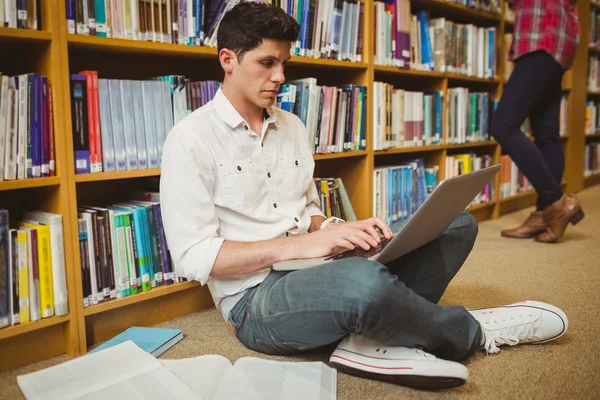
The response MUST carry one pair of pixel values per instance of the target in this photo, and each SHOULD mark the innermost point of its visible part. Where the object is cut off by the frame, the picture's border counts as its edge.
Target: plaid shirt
(548, 25)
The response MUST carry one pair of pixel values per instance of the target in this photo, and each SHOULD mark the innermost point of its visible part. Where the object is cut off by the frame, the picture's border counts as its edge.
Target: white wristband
(332, 220)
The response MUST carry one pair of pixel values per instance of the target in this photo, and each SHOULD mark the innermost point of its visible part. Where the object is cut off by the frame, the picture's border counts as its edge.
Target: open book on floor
(126, 371)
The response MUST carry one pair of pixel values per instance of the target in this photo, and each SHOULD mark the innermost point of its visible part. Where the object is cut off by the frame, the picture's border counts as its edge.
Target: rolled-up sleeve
(186, 195)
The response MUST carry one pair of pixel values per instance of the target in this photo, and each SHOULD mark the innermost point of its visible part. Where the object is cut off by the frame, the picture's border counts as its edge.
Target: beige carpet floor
(499, 271)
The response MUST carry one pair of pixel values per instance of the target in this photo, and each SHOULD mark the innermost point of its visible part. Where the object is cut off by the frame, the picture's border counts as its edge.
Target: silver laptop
(443, 205)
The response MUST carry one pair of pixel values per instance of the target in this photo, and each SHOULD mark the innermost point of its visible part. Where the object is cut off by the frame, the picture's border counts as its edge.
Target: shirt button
(275, 205)
(296, 162)
(269, 174)
(246, 127)
(262, 144)
(296, 219)
(287, 234)
(239, 168)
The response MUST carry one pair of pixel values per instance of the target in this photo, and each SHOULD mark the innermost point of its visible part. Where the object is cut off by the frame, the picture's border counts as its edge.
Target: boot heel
(578, 216)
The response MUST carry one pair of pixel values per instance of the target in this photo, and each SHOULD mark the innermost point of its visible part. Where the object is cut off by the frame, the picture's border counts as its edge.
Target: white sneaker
(359, 356)
(525, 322)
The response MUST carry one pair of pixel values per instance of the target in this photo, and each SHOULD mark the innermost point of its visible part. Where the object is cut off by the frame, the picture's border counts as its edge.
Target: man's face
(260, 73)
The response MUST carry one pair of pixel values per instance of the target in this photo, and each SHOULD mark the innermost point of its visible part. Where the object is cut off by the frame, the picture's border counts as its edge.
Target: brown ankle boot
(533, 225)
(557, 217)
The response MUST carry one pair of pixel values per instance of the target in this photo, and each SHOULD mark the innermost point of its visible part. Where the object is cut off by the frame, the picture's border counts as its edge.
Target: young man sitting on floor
(237, 195)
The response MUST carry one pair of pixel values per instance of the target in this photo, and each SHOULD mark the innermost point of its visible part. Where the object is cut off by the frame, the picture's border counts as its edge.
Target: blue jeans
(394, 304)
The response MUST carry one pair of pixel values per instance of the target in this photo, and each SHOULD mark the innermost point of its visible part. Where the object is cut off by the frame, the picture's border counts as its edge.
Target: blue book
(152, 340)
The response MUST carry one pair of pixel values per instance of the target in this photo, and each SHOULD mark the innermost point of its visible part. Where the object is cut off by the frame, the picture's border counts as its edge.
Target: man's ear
(227, 59)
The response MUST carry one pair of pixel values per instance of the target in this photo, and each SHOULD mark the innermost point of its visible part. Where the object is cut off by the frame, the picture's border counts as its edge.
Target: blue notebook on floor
(152, 340)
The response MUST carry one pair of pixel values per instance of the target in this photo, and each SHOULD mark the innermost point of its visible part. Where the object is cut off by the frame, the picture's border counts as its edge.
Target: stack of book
(123, 249)
(401, 189)
(406, 118)
(121, 124)
(32, 268)
(26, 127)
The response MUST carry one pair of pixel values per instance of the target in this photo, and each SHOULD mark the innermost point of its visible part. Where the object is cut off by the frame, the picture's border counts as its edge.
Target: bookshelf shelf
(466, 78)
(29, 183)
(595, 4)
(411, 149)
(110, 176)
(472, 144)
(591, 180)
(593, 136)
(20, 329)
(140, 47)
(476, 207)
(594, 49)
(24, 35)
(137, 47)
(136, 298)
(518, 196)
(345, 154)
(453, 10)
(408, 72)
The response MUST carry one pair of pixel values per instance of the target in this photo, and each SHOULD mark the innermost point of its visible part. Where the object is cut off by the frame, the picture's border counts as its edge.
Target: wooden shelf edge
(445, 5)
(136, 298)
(433, 74)
(342, 154)
(145, 47)
(20, 329)
(29, 183)
(591, 180)
(109, 176)
(476, 207)
(518, 196)
(25, 34)
(593, 136)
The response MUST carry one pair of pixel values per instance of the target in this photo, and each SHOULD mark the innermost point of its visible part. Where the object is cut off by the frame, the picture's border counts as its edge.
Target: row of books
(460, 164)
(20, 14)
(593, 82)
(121, 124)
(32, 267)
(405, 118)
(592, 159)
(592, 117)
(330, 29)
(491, 6)
(123, 249)
(334, 199)
(512, 180)
(468, 115)
(594, 31)
(26, 127)
(400, 190)
(415, 41)
(335, 116)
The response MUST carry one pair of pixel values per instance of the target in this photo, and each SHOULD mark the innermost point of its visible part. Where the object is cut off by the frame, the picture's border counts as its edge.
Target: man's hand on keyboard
(346, 235)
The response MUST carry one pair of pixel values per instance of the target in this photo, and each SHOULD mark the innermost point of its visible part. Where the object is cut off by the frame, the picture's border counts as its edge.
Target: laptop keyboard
(360, 252)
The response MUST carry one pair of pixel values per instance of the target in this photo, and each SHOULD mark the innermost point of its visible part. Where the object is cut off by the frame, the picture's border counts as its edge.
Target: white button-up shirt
(222, 181)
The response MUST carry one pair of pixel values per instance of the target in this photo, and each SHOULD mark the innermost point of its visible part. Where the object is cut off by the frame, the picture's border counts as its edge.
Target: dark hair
(244, 27)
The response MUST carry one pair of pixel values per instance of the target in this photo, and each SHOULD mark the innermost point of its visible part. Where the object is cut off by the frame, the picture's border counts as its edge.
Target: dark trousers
(534, 91)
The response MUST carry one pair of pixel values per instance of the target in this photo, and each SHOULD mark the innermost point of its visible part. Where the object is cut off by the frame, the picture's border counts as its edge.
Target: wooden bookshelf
(29, 183)
(55, 53)
(24, 35)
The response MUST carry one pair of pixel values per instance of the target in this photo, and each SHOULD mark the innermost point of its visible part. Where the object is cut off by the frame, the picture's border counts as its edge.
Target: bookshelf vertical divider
(75, 333)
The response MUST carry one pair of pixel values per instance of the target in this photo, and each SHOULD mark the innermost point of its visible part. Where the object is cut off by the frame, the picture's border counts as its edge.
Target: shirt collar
(231, 116)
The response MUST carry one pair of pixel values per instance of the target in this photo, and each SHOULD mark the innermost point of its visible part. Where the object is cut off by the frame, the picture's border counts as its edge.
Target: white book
(3, 114)
(128, 125)
(59, 280)
(127, 371)
(116, 112)
(150, 124)
(161, 134)
(11, 145)
(22, 127)
(108, 147)
(138, 118)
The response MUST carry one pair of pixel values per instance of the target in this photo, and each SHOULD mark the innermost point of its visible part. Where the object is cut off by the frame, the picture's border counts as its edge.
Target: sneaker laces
(510, 335)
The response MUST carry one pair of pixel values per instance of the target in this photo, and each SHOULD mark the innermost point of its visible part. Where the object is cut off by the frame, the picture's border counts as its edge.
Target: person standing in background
(546, 36)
